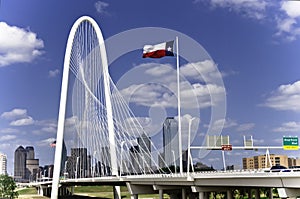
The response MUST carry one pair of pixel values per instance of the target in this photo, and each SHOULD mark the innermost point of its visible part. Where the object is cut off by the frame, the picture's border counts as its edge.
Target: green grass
(106, 192)
(94, 191)
(28, 191)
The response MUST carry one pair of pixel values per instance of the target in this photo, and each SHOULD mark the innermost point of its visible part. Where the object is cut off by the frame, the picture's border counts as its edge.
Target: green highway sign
(290, 143)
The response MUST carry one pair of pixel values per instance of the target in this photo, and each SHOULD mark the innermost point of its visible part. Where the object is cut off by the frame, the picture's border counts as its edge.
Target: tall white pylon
(63, 102)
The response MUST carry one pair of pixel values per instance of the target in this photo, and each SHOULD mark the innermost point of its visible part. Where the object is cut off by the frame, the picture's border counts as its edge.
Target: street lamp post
(121, 158)
(174, 160)
(76, 172)
(121, 165)
(94, 164)
(189, 146)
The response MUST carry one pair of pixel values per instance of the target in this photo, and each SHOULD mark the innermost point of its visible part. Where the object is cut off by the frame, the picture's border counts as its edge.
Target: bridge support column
(204, 195)
(72, 190)
(288, 192)
(134, 196)
(135, 189)
(229, 194)
(40, 190)
(257, 194)
(117, 192)
(271, 193)
(249, 193)
(183, 193)
(161, 194)
(201, 195)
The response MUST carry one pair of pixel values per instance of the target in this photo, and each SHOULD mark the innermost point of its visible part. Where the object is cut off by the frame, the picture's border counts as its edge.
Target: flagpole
(179, 109)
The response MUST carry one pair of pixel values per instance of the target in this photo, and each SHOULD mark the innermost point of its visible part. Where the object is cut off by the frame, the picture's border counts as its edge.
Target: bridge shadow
(80, 197)
(83, 197)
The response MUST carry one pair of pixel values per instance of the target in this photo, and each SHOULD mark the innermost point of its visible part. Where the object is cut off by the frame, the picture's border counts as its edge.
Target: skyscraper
(3, 164)
(134, 152)
(29, 152)
(20, 164)
(32, 164)
(78, 161)
(170, 141)
(26, 166)
(145, 151)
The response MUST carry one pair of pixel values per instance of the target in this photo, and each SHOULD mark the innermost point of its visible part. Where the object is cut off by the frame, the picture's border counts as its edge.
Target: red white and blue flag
(53, 144)
(158, 50)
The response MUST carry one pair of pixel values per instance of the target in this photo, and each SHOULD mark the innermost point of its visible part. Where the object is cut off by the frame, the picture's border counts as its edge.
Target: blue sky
(254, 45)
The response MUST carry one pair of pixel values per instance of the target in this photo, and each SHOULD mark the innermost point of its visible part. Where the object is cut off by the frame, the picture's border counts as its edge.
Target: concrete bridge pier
(229, 194)
(203, 195)
(135, 190)
(175, 192)
(63, 191)
(192, 196)
(44, 190)
(134, 196)
(257, 194)
(249, 193)
(117, 192)
(270, 193)
(161, 194)
(183, 193)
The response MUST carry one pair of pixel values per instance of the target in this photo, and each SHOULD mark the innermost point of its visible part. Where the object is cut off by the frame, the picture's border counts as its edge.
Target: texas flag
(53, 144)
(158, 50)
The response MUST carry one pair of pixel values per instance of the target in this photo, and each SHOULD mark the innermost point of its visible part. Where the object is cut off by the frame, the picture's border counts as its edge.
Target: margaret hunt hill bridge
(109, 146)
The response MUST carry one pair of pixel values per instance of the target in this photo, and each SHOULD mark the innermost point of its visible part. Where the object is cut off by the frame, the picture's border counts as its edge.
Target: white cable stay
(135, 152)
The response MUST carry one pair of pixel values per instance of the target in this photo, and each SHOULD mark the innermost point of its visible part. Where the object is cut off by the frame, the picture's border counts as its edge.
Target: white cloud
(22, 122)
(206, 71)
(229, 123)
(245, 127)
(214, 160)
(53, 73)
(249, 8)
(18, 45)
(157, 70)
(5, 146)
(288, 127)
(287, 23)
(14, 114)
(49, 129)
(101, 6)
(285, 14)
(285, 97)
(46, 142)
(185, 119)
(192, 96)
(7, 137)
(287, 28)
(257, 142)
(291, 8)
(45, 126)
(151, 95)
(19, 117)
(223, 124)
(9, 130)
(161, 89)
(278, 141)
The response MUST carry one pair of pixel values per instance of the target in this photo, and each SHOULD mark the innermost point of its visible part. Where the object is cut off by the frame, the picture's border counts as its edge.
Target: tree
(8, 187)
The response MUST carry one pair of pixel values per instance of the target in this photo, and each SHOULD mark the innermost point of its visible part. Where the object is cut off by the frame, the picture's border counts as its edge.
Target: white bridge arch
(63, 100)
(102, 119)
